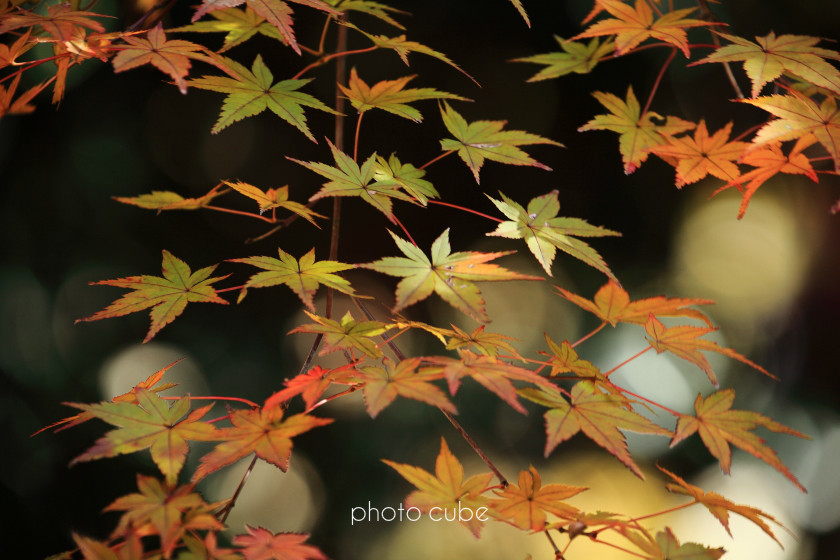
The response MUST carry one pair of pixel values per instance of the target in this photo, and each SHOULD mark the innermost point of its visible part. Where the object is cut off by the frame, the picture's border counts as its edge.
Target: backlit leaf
(384, 384)
(168, 200)
(576, 57)
(346, 334)
(405, 176)
(486, 343)
(275, 198)
(239, 26)
(61, 22)
(525, 505)
(312, 384)
(262, 544)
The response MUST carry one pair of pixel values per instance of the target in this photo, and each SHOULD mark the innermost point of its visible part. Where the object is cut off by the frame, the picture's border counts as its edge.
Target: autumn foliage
(793, 80)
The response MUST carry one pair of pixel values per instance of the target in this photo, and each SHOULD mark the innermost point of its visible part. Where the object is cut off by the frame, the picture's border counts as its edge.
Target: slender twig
(239, 213)
(647, 400)
(625, 362)
(663, 512)
(402, 227)
(162, 6)
(229, 506)
(356, 138)
(710, 16)
(470, 210)
(327, 58)
(324, 35)
(436, 158)
(252, 404)
(557, 554)
(591, 334)
(659, 79)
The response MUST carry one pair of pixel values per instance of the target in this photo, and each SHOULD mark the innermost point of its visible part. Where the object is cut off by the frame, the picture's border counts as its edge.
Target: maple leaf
(666, 546)
(480, 140)
(446, 488)
(150, 423)
(631, 26)
(770, 56)
(612, 305)
(275, 198)
(637, 132)
(769, 160)
(544, 232)
(518, 5)
(720, 506)
(564, 359)
(19, 106)
(488, 344)
(450, 275)
(600, 416)
(684, 341)
(62, 22)
(262, 544)
(275, 12)
(525, 505)
(302, 276)
(349, 179)
(391, 96)
(251, 92)
(169, 56)
(10, 53)
(206, 549)
(312, 384)
(168, 200)
(703, 154)
(404, 175)
(375, 9)
(262, 431)
(346, 334)
(719, 425)
(494, 374)
(160, 510)
(799, 115)
(383, 385)
(239, 25)
(576, 57)
(167, 295)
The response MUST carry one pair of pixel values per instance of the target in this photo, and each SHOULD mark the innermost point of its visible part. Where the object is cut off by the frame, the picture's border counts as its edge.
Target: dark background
(130, 133)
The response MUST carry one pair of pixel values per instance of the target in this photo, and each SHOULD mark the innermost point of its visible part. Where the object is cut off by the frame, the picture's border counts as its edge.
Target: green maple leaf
(239, 25)
(302, 276)
(167, 296)
(345, 334)
(544, 232)
(406, 176)
(480, 140)
(450, 275)
(168, 200)
(375, 9)
(350, 179)
(149, 424)
(250, 92)
(576, 57)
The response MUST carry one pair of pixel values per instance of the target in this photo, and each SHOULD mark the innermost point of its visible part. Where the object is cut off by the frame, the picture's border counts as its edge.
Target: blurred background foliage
(774, 276)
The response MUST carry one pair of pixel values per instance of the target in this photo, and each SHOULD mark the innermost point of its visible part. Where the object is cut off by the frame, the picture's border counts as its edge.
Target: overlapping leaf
(275, 198)
(168, 200)
(312, 384)
(9, 105)
(167, 296)
(302, 276)
(684, 341)
(262, 431)
(576, 57)
(600, 416)
(666, 546)
(346, 334)
(631, 26)
(637, 132)
(719, 425)
(770, 56)
(525, 505)
(446, 488)
(544, 232)
(405, 176)
(372, 8)
(61, 22)
(239, 26)
(451, 275)
(262, 544)
(481, 140)
(486, 343)
(391, 96)
(384, 384)
(250, 92)
(149, 424)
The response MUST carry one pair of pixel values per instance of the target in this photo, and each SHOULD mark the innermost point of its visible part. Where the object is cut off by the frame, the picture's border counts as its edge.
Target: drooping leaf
(206, 549)
(61, 22)
(312, 384)
(719, 506)
(631, 26)
(769, 160)
(20, 106)
(262, 431)
(703, 155)
(797, 116)
(637, 132)
(149, 424)
(494, 374)
(486, 343)
(405, 176)
(684, 341)
(159, 509)
(250, 92)
(239, 25)
(480, 140)
(346, 334)
(302, 276)
(10, 53)
(275, 198)
(450, 275)
(446, 488)
(666, 546)
(544, 232)
(168, 200)
(525, 505)
(770, 56)
(518, 5)
(169, 56)
(371, 8)
(600, 416)
(576, 57)
(612, 305)
(391, 96)
(262, 544)
(384, 384)
(719, 425)
(167, 296)
(347, 178)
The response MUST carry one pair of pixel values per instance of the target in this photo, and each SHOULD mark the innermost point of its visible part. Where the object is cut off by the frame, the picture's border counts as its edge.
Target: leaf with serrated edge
(384, 384)
(262, 544)
(525, 505)
(345, 334)
(576, 57)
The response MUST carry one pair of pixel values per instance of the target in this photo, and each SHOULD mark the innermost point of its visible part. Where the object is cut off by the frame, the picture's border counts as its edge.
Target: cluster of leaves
(578, 396)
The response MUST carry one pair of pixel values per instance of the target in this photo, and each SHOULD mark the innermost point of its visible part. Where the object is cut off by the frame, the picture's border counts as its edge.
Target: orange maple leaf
(312, 384)
(61, 22)
(383, 385)
(703, 155)
(525, 505)
(262, 544)
(719, 426)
